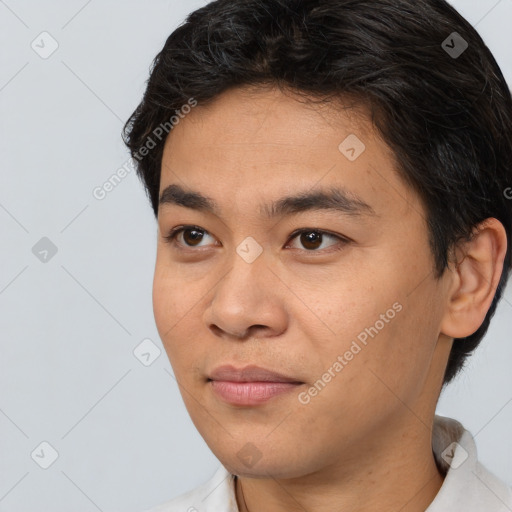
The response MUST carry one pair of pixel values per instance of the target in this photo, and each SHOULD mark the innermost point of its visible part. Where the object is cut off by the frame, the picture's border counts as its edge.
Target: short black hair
(435, 92)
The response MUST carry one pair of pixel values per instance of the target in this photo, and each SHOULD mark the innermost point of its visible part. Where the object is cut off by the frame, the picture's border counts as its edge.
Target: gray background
(70, 325)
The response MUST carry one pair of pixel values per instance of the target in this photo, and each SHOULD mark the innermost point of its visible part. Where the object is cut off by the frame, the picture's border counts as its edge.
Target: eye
(312, 238)
(191, 234)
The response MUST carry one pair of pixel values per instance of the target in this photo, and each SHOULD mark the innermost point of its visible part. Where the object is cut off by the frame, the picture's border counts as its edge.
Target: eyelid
(299, 231)
(171, 237)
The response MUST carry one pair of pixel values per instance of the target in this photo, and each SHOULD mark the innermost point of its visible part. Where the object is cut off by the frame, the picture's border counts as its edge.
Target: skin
(363, 443)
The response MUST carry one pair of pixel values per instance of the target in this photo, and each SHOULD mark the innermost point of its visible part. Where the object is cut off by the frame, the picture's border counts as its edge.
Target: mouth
(251, 373)
(250, 385)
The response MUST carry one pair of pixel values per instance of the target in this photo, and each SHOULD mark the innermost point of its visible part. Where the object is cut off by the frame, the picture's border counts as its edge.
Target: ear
(475, 276)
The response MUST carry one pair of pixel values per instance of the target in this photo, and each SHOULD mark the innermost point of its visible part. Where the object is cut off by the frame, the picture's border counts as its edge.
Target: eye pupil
(311, 237)
(195, 238)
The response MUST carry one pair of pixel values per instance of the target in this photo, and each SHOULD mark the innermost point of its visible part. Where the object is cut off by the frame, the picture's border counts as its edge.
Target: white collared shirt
(468, 486)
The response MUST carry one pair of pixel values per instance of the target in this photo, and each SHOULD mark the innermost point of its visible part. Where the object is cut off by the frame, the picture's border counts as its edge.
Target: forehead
(252, 142)
(257, 115)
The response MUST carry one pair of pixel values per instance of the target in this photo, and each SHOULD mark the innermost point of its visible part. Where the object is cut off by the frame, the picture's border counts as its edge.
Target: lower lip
(250, 393)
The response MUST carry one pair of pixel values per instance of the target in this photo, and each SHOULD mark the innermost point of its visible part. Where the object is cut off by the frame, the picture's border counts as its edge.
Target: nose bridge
(244, 297)
(244, 281)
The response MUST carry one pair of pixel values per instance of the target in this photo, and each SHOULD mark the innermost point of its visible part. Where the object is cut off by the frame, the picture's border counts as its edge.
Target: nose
(248, 301)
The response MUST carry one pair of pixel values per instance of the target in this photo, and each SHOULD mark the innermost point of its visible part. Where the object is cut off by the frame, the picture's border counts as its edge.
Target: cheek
(350, 309)
(170, 304)
(163, 303)
(176, 305)
(371, 379)
(397, 360)
(373, 323)
(173, 296)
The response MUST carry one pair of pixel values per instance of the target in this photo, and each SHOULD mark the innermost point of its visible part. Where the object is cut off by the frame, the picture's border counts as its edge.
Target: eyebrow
(333, 198)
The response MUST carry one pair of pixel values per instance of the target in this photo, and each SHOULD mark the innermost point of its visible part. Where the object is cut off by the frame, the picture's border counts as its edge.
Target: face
(341, 300)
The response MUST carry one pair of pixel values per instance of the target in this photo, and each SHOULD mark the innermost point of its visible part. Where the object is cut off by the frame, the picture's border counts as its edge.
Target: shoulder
(491, 490)
(468, 485)
(215, 495)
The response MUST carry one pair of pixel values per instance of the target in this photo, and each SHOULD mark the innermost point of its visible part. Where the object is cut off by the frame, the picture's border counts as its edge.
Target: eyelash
(171, 237)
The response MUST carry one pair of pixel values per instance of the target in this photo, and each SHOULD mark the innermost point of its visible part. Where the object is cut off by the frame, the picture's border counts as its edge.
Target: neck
(397, 471)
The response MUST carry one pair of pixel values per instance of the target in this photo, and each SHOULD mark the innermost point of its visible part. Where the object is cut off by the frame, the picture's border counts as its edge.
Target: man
(330, 183)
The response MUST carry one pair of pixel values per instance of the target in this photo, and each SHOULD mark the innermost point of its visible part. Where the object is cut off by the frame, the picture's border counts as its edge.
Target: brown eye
(311, 239)
(191, 235)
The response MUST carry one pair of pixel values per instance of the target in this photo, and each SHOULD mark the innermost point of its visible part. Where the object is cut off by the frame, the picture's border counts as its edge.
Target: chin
(277, 466)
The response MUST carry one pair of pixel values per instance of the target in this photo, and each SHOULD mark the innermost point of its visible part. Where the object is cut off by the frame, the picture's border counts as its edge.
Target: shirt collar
(467, 485)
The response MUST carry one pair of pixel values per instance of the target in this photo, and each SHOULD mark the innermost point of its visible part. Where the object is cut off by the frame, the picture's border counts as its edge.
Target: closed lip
(251, 373)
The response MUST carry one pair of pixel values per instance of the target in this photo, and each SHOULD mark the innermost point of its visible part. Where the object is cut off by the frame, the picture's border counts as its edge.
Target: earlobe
(475, 278)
